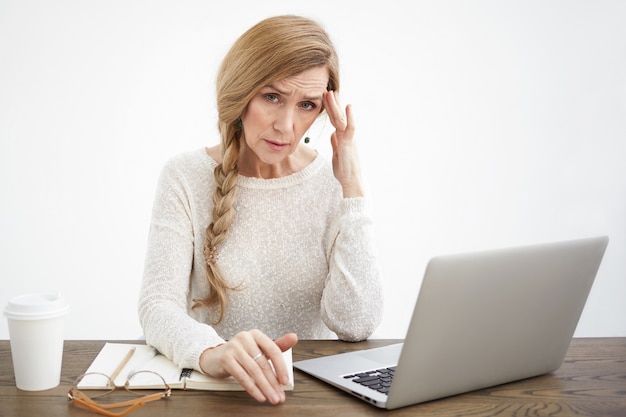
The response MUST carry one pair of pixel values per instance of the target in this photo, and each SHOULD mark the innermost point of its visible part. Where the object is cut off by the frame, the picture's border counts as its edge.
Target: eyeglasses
(82, 399)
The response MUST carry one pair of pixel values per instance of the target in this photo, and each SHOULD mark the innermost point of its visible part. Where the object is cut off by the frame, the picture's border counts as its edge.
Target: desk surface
(591, 382)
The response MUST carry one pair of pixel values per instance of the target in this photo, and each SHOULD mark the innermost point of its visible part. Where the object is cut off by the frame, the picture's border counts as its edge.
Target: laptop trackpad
(384, 356)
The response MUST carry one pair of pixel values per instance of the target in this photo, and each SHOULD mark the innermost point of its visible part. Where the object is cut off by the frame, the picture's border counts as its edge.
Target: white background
(481, 124)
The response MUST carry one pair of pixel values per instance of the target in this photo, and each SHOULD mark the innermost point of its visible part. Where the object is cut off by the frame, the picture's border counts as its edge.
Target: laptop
(481, 319)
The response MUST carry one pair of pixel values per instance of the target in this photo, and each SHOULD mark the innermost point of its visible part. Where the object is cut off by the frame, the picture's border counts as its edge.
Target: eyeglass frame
(80, 398)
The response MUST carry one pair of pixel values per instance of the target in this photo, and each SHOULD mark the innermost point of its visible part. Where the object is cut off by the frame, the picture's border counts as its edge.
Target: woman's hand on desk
(246, 357)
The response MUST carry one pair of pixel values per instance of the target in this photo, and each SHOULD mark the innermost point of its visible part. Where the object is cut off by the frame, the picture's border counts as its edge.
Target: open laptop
(481, 319)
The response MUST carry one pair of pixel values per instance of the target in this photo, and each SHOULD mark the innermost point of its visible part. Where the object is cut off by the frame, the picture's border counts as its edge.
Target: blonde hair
(271, 50)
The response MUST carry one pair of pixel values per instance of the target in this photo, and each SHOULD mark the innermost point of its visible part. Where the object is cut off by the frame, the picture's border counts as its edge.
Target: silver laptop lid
(491, 317)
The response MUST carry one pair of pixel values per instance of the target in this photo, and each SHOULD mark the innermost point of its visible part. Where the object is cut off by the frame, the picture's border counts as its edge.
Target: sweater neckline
(272, 183)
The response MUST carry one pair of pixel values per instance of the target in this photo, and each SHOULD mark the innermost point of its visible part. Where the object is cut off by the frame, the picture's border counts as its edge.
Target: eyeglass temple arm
(81, 399)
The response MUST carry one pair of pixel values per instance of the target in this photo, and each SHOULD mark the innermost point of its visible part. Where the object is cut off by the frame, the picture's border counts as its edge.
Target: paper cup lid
(36, 306)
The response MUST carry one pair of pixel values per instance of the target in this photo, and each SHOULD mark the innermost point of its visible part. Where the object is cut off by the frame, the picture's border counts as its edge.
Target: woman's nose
(284, 120)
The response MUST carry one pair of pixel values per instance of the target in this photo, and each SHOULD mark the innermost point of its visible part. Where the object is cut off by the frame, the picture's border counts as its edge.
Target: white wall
(482, 124)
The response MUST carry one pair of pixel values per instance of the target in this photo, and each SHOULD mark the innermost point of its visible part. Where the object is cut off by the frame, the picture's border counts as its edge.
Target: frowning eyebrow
(286, 93)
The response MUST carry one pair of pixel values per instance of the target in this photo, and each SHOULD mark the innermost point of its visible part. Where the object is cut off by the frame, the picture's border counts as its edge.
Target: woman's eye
(308, 106)
(273, 98)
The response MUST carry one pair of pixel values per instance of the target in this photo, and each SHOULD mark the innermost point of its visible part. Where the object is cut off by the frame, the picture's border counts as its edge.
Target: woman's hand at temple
(345, 158)
(246, 357)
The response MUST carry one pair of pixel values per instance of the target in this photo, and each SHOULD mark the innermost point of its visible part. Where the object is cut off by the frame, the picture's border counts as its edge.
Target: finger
(273, 354)
(240, 374)
(242, 363)
(267, 367)
(349, 119)
(283, 343)
(264, 378)
(270, 376)
(344, 137)
(237, 362)
(286, 341)
(335, 113)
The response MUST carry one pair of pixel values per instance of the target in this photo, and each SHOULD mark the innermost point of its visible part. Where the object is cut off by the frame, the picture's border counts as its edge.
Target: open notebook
(147, 358)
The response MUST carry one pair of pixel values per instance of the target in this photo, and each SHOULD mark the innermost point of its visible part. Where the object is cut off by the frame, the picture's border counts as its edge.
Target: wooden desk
(591, 382)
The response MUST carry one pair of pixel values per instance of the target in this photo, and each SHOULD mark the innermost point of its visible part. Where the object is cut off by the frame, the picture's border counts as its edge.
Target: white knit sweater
(302, 255)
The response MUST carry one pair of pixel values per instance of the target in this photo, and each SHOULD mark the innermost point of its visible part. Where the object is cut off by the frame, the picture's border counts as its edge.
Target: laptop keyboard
(378, 380)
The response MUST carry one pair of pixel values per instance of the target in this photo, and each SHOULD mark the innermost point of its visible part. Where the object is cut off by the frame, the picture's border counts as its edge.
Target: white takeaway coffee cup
(36, 324)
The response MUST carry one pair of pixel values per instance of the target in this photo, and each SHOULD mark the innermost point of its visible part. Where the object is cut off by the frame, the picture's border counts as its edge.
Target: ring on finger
(258, 356)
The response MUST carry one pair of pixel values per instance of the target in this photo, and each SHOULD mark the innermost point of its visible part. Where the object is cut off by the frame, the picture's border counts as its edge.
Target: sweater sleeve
(352, 300)
(164, 296)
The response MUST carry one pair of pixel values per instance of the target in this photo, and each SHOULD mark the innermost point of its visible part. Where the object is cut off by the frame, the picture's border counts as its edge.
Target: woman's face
(278, 116)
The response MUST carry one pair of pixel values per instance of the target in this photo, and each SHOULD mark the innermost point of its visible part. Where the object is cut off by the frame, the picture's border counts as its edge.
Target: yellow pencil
(122, 364)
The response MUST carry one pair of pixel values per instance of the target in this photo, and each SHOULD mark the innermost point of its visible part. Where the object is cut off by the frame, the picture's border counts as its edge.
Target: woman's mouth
(276, 146)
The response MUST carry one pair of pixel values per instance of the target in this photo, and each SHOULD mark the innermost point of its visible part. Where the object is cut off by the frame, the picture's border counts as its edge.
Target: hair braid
(225, 174)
